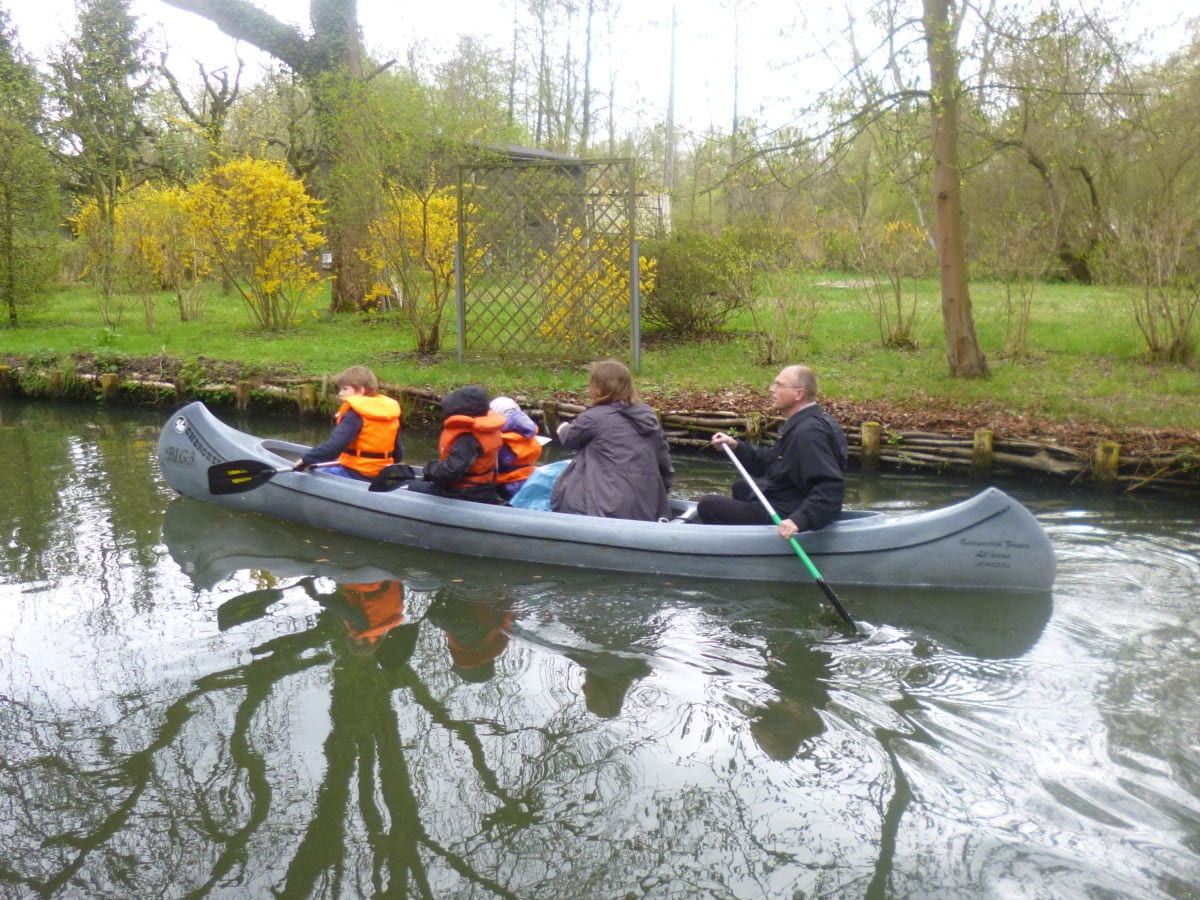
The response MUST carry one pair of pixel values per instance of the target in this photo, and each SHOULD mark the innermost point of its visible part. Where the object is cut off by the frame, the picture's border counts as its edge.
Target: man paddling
(802, 475)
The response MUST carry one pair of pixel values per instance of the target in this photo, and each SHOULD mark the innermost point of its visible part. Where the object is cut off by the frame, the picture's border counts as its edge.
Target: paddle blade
(246, 607)
(392, 477)
(238, 476)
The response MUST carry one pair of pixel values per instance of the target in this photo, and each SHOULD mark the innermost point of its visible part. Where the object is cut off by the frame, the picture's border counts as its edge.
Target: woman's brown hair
(611, 382)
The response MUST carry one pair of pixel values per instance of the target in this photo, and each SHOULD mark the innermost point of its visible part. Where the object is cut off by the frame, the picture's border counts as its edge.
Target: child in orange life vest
(467, 449)
(366, 436)
(521, 446)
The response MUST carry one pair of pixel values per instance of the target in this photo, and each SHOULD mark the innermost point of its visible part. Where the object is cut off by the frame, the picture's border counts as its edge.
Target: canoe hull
(989, 541)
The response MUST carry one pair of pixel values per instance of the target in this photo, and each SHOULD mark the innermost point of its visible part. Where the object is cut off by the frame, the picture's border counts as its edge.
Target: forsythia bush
(260, 228)
(587, 289)
(411, 248)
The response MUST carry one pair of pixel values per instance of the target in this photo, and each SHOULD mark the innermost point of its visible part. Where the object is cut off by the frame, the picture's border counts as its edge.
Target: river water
(198, 703)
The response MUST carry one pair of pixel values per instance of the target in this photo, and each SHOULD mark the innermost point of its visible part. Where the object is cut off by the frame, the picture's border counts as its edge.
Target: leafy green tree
(1063, 103)
(100, 83)
(28, 182)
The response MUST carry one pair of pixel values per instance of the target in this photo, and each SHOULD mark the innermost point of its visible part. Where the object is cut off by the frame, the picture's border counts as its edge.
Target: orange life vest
(480, 649)
(487, 431)
(382, 602)
(376, 442)
(527, 451)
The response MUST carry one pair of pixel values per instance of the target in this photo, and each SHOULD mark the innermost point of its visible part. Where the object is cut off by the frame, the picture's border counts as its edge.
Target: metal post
(635, 310)
(460, 305)
(635, 290)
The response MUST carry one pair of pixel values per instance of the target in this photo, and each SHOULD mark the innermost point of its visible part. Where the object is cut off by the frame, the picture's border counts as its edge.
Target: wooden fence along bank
(1104, 464)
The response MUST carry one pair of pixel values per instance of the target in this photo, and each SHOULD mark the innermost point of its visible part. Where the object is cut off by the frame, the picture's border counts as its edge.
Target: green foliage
(28, 183)
(702, 280)
(894, 258)
(28, 218)
(100, 81)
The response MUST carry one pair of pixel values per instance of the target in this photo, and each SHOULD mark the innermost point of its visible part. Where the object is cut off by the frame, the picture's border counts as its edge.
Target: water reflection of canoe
(989, 541)
(210, 544)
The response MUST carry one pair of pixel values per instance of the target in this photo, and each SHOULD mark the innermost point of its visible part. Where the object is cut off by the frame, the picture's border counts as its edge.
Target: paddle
(246, 607)
(393, 476)
(808, 563)
(240, 475)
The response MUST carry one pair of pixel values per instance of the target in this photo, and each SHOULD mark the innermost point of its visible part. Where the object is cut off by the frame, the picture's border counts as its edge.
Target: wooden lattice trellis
(547, 262)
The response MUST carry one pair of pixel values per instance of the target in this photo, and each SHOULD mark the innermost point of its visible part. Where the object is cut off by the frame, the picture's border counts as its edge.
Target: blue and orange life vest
(526, 451)
(487, 431)
(376, 442)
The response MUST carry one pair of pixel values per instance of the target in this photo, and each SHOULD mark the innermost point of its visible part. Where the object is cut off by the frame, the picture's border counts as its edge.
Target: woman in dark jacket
(622, 469)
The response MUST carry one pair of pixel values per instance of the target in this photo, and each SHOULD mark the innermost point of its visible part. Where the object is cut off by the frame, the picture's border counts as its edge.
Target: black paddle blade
(246, 607)
(239, 475)
(837, 604)
(392, 477)
(397, 646)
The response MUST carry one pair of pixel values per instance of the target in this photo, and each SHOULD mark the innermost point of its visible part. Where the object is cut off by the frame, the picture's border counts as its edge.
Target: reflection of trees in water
(418, 780)
(210, 796)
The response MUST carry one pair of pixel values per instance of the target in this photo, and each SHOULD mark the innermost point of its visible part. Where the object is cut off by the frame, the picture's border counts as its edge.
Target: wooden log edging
(984, 453)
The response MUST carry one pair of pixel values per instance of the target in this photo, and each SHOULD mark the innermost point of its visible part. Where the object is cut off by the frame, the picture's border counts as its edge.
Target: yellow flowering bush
(586, 288)
(411, 248)
(261, 229)
(95, 234)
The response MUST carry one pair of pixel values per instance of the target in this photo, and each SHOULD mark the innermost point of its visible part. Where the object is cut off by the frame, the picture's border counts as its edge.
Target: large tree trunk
(962, 346)
(324, 62)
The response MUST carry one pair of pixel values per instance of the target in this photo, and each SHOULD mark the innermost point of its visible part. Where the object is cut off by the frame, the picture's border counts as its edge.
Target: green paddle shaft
(808, 563)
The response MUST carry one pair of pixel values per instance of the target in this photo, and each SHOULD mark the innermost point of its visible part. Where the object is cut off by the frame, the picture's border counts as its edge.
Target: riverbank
(979, 437)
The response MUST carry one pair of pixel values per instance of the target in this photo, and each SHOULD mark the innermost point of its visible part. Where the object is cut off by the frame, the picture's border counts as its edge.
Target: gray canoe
(989, 541)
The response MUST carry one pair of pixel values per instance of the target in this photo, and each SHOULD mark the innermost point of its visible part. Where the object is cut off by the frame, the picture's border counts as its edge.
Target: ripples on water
(186, 709)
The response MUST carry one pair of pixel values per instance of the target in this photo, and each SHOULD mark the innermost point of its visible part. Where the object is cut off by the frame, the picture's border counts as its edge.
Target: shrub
(702, 280)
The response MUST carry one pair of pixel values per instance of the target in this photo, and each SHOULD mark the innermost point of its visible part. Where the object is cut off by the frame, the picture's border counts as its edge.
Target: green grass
(1085, 360)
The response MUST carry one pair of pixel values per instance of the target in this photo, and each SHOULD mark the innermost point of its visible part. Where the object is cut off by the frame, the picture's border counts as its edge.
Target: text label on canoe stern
(185, 457)
(995, 554)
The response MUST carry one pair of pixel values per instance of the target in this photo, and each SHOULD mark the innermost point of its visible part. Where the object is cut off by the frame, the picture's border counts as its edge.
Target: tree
(941, 22)
(208, 113)
(100, 83)
(28, 183)
(1062, 101)
(330, 64)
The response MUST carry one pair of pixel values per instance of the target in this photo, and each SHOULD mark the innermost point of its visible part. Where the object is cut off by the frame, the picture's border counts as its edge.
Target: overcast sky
(780, 61)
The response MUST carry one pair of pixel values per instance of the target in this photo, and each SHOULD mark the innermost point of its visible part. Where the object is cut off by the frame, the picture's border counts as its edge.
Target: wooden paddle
(240, 475)
(808, 563)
